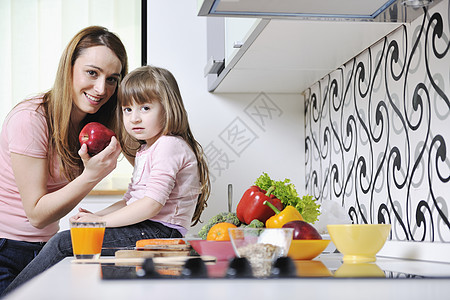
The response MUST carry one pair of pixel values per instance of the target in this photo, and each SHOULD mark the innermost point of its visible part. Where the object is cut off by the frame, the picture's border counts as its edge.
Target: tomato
(219, 232)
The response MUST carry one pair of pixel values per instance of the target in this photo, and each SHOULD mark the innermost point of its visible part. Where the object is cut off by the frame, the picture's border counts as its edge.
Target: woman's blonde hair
(147, 84)
(58, 102)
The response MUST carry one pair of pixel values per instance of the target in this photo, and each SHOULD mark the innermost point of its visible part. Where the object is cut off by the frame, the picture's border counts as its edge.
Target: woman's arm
(43, 208)
(138, 211)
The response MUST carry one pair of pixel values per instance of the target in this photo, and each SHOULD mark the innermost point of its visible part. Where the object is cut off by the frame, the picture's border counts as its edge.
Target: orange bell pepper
(288, 214)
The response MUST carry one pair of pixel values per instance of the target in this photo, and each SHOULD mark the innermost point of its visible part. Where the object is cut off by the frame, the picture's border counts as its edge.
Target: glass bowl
(261, 246)
(263, 243)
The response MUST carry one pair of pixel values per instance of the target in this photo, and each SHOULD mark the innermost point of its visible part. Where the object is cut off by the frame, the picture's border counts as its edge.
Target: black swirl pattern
(377, 130)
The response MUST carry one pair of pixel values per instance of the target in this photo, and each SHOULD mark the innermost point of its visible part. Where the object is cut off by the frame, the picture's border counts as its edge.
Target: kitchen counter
(67, 280)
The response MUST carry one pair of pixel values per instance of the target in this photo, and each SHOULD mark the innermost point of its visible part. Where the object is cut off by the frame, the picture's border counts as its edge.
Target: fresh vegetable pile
(285, 191)
(226, 217)
(268, 203)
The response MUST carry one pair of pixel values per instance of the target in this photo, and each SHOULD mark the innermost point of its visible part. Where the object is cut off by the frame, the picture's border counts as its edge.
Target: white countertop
(67, 280)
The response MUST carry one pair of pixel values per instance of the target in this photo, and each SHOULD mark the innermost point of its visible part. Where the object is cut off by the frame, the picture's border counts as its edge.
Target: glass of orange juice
(87, 238)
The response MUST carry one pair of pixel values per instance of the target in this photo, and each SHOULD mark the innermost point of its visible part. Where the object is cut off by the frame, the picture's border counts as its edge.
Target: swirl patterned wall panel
(378, 132)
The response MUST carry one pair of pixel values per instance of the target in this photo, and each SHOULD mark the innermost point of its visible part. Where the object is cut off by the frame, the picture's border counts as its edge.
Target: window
(35, 32)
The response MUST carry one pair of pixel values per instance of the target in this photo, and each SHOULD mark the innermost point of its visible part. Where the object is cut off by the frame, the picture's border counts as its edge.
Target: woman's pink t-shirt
(24, 132)
(167, 173)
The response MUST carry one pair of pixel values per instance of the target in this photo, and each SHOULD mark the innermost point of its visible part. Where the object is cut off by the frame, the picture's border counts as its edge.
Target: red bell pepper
(251, 205)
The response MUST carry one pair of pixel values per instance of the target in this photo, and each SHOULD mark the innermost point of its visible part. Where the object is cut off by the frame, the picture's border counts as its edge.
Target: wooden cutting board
(154, 251)
(168, 260)
(149, 253)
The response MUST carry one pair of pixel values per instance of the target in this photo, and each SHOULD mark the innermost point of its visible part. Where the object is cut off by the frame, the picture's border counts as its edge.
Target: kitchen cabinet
(361, 10)
(288, 56)
(277, 54)
(237, 31)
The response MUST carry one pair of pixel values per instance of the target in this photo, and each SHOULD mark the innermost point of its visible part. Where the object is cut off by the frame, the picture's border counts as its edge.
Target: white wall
(177, 41)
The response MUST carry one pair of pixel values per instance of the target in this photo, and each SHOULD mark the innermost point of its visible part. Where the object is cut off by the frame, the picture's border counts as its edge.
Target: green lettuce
(285, 191)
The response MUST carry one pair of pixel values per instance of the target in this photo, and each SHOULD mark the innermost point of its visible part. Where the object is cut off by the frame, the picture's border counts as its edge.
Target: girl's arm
(43, 208)
(113, 207)
(138, 211)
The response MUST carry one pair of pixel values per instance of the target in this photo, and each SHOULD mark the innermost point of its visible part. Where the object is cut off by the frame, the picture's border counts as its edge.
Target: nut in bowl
(268, 243)
(261, 246)
(359, 243)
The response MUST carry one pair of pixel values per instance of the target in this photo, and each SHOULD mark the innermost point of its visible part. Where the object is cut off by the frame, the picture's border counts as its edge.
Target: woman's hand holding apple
(99, 166)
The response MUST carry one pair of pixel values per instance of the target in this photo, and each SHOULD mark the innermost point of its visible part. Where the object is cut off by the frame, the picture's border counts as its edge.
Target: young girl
(170, 183)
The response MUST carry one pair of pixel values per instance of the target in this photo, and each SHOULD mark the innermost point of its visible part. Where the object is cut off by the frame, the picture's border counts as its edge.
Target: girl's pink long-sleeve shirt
(167, 173)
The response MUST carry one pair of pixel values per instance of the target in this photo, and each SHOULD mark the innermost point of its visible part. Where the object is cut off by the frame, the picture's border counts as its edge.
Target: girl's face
(144, 121)
(96, 73)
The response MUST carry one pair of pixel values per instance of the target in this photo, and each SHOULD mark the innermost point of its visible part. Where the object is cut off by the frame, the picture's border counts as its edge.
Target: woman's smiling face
(96, 74)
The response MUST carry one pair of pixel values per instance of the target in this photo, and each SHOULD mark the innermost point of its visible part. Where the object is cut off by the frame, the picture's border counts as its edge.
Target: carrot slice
(146, 242)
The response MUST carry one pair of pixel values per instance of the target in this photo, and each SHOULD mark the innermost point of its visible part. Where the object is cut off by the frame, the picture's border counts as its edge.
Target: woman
(45, 172)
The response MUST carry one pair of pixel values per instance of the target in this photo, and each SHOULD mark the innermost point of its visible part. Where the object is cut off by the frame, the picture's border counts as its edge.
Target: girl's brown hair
(147, 84)
(58, 102)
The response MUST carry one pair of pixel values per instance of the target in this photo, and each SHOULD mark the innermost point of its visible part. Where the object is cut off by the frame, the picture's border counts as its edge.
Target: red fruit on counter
(251, 206)
(96, 136)
(303, 230)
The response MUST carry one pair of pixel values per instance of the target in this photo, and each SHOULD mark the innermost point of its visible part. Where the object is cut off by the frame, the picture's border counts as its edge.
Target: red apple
(303, 230)
(96, 136)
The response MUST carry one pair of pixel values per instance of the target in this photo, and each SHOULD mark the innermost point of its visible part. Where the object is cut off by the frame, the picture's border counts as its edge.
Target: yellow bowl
(350, 270)
(307, 249)
(359, 243)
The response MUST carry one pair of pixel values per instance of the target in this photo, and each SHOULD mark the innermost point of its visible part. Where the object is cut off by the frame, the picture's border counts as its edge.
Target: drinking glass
(87, 239)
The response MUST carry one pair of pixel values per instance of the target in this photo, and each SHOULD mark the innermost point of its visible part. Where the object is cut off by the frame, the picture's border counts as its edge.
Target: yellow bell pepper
(288, 214)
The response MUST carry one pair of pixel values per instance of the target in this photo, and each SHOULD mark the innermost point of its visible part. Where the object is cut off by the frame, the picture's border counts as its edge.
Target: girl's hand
(80, 209)
(86, 217)
(99, 166)
(77, 216)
